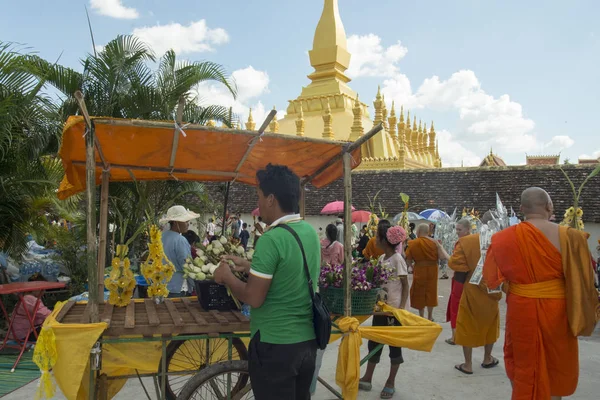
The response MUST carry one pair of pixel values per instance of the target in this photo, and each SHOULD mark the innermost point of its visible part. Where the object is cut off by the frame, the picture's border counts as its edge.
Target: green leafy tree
(118, 82)
(28, 132)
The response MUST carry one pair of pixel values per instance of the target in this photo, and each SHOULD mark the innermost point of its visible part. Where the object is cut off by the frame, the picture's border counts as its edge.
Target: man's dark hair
(283, 184)
(412, 226)
(191, 237)
(331, 233)
(382, 228)
(259, 219)
(244, 225)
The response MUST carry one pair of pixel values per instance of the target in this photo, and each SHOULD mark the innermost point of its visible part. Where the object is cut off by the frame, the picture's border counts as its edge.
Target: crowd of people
(544, 270)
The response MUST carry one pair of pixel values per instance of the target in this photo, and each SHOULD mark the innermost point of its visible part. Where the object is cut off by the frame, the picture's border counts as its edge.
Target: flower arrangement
(120, 281)
(364, 277)
(574, 215)
(157, 269)
(404, 222)
(573, 218)
(209, 257)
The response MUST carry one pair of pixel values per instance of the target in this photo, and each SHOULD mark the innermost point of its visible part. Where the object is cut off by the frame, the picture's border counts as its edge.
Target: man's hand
(223, 273)
(241, 264)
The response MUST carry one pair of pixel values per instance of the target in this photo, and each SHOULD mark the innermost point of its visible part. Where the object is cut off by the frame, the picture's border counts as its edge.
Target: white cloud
(595, 155)
(251, 83)
(99, 48)
(483, 120)
(453, 153)
(559, 143)
(370, 58)
(196, 37)
(114, 8)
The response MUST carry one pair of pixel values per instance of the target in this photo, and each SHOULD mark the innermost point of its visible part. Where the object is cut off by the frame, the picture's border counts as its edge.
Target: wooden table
(143, 317)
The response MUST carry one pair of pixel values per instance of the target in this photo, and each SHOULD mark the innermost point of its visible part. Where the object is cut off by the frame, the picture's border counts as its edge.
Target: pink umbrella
(335, 207)
(361, 216)
(256, 212)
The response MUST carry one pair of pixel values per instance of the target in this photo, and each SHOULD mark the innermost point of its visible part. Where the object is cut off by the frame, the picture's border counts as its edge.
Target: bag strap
(295, 235)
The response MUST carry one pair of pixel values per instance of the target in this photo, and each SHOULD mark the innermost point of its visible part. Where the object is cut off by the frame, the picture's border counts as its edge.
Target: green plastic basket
(363, 302)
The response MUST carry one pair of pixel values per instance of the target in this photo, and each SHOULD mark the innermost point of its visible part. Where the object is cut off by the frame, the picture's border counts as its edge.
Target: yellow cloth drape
(73, 343)
(416, 333)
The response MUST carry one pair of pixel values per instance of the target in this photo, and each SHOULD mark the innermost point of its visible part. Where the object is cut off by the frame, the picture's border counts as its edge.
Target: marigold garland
(157, 269)
(573, 218)
(120, 282)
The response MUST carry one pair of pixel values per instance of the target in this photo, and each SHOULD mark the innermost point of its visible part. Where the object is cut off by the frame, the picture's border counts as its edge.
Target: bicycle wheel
(214, 381)
(186, 357)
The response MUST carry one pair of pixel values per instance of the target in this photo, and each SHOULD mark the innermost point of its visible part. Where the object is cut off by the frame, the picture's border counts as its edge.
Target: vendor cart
(100, 150)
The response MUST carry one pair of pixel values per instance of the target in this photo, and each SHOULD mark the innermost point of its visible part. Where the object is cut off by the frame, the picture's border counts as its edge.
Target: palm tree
(28, 131)
(118, 82)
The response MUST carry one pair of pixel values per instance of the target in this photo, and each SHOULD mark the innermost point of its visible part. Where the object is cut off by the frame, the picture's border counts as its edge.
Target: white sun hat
(179, 214)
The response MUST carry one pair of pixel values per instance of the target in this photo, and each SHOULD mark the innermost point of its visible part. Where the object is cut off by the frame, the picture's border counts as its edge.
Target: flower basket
(363, 301)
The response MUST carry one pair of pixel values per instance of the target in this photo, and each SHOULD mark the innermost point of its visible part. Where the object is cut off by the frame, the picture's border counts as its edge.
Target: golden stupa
(329, 108)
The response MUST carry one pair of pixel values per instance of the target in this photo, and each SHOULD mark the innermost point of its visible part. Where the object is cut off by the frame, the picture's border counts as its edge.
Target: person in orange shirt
(424, 254)
(372, 250)
(478, 319)
(546, 270)
(463, 228)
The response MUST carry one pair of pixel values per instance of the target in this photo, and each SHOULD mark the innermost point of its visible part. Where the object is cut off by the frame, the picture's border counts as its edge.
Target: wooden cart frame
(96, 251)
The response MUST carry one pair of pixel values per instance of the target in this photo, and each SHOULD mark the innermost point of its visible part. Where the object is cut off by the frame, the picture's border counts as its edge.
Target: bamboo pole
(225, 209)
(202, 128)
(103, 234)
(302, 200)
(92, 245)
(169, 170)
(347, 166)
(350, 148)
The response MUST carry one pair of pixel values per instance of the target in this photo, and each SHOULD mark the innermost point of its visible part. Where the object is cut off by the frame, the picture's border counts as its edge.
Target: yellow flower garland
(157, 269)
(120, 282)
(573, 218)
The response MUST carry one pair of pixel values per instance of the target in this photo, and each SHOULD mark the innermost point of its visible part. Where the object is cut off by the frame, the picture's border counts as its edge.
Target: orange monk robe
(372, 250)
(551, 300)
(478, 320)
(423, 292)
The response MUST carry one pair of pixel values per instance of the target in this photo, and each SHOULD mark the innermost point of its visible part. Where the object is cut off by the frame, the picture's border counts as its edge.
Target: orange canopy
(143, 150)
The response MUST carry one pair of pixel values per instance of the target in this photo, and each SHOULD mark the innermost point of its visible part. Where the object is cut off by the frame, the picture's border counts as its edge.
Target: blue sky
(518, 76)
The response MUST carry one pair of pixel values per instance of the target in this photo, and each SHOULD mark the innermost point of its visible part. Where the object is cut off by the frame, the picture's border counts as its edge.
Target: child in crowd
(244, 236)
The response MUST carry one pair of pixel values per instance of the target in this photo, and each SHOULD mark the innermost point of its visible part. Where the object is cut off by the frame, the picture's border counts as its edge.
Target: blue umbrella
(433, 215)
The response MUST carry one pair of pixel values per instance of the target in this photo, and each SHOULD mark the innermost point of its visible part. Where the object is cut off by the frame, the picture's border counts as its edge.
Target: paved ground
(426, 376)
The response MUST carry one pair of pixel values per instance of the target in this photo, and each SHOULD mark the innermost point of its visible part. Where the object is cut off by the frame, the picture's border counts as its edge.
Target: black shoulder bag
(321, 315)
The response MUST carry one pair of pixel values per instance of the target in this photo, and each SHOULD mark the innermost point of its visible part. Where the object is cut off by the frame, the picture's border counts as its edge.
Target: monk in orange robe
(463, 228)
(372, 250)
(478, 321)
(546, 270)
(423, 252)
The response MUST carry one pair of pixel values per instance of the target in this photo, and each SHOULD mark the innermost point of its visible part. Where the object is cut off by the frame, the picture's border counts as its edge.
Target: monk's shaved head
(464, 223)
(463, 227)
(423, 230)
(535, 200)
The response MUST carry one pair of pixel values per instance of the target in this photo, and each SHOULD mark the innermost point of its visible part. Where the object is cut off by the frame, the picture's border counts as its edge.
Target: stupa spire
(300, 122)
(329, 56)
(392, 123)
(274, 125)
(328, 123)
(357, 129)
(250, 125)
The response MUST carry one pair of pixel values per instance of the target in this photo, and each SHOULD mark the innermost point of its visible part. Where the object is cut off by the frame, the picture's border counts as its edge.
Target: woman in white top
(390, 239)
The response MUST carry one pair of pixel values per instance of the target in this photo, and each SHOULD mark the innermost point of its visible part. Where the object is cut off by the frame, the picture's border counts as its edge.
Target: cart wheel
(211, 383)
(189, 357)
